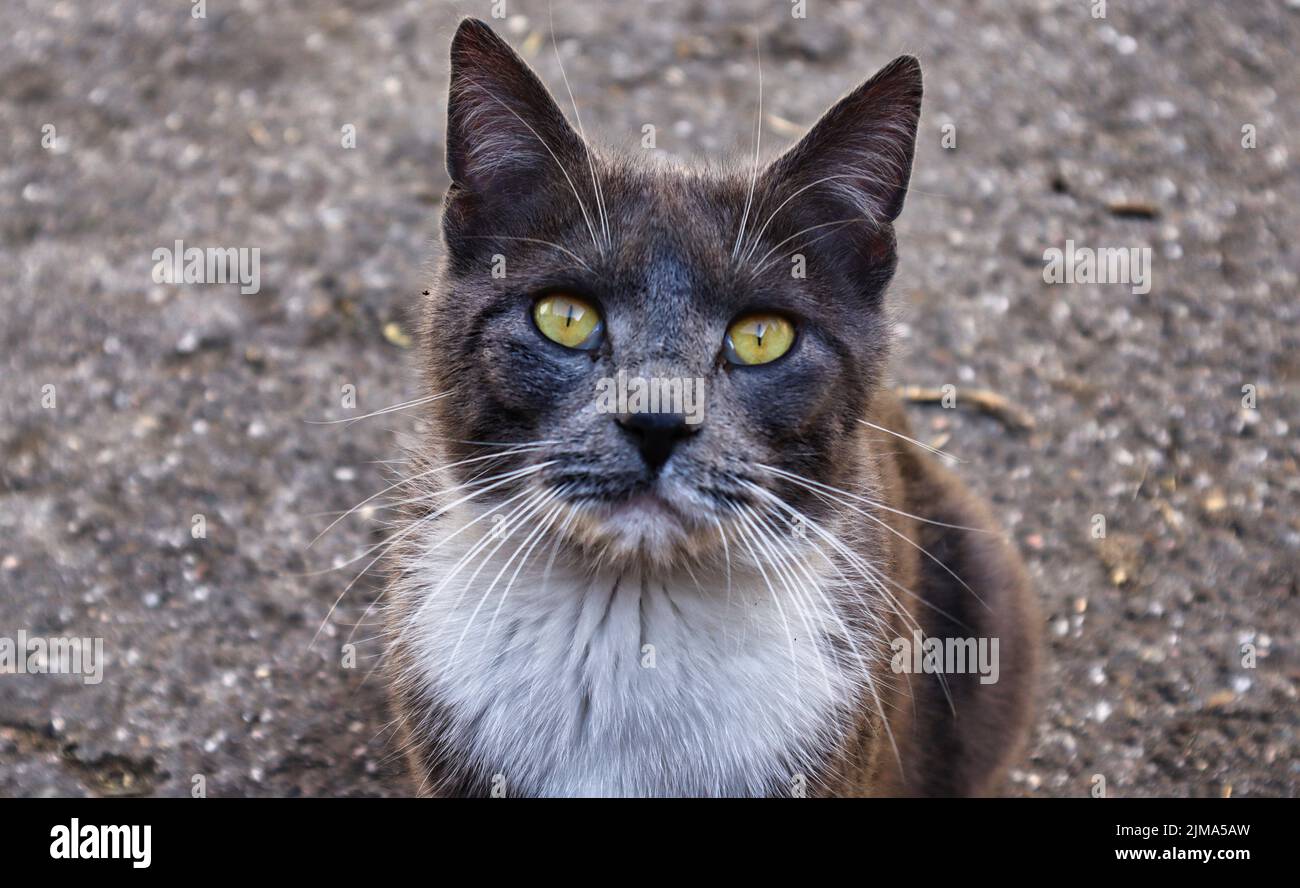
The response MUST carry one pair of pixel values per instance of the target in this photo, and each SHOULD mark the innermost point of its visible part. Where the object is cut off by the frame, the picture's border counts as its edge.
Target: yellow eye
(758, 338)
(568, 320)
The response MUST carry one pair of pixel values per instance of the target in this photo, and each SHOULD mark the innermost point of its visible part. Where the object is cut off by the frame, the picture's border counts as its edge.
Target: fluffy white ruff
(611, 681)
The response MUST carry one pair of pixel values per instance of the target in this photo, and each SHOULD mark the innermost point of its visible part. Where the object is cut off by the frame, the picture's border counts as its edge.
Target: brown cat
(667, 534)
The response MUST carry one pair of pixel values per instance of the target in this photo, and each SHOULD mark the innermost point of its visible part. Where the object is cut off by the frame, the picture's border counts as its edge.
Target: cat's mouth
(644, 524)
(646, 504)
(645, 513)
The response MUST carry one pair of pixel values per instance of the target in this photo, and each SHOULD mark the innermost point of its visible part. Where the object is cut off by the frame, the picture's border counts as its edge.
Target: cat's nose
(656, 434)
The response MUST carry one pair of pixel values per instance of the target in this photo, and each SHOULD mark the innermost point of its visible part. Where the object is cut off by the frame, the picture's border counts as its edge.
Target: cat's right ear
(503, 128)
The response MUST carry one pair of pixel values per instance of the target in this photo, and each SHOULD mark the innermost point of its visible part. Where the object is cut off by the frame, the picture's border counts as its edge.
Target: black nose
(656, 434)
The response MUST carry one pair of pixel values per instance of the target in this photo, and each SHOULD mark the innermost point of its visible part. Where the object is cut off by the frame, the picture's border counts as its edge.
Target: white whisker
(591, 165)
(873, 503)
(541, 534)
(920, 444)
(392, 541)
(581, 206)
(797, 596)
(758, 562)
(536, 506)
(761, 264)
(758, 139)
(757, 238)
(405, 405)
(531, 240)
(814, 487)
(407, 481)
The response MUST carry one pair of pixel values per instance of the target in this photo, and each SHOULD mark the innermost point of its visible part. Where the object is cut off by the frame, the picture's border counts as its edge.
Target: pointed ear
(503, 127)
(861, 149)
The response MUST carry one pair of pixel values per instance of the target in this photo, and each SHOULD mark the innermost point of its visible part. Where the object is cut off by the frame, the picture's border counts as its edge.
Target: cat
(619, 602)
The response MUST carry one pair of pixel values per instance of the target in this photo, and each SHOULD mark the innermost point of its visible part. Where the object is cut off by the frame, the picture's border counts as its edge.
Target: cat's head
(752, 299)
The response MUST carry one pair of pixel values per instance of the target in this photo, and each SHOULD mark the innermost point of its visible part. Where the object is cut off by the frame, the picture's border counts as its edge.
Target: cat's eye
(758, 339)
(569, 320)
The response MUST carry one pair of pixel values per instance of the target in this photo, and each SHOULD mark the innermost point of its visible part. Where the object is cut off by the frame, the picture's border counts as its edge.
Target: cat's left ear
(858, 157)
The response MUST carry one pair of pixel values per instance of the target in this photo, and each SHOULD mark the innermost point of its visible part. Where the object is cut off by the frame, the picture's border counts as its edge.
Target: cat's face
(751, 300)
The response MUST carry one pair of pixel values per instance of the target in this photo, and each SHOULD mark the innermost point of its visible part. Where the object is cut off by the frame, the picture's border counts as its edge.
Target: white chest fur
(615, 682)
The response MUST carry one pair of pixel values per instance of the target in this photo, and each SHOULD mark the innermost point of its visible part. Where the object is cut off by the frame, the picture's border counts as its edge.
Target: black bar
(336, 837)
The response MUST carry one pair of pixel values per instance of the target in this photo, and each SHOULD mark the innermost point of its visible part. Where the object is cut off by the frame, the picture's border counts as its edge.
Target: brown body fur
(964, 749)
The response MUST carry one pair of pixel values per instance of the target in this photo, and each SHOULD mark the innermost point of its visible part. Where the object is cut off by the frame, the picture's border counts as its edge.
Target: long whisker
(405, 405)
(528, 541)
(816, 585)
(871, 685)
(442, 541)
(873, 503)
(794, 660)
(762, 263)
(533, 507)
(920, 444)
(726, 551)
(449, 440)
(758, 140)
(864, 670)
(502, 532)
(757, 238)
(407, 481)
(481, 475)
(749, 516)
(541, 534)
(499, 480)
(873, 577)
(591, 165)
(581, 206)
(531, 240)
(867, 572)
(555, 549)
(388, 544)
(813, 486)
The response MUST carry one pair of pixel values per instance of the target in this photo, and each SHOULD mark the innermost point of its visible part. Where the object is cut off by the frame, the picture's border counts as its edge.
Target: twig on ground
(1000, 408)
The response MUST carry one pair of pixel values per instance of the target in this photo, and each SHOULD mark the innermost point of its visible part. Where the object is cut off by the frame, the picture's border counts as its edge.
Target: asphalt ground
(176, 400)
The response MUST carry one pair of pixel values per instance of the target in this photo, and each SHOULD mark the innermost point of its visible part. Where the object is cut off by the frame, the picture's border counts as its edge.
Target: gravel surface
(176, 400)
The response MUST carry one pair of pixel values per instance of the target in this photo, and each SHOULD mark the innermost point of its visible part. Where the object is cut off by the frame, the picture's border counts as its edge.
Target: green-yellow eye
(568, 320)
(758, 338)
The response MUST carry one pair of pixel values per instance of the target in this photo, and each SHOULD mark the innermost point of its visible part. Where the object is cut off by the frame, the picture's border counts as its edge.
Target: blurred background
(125, 126)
